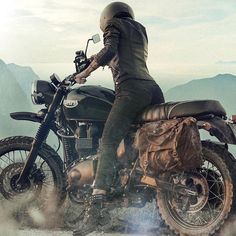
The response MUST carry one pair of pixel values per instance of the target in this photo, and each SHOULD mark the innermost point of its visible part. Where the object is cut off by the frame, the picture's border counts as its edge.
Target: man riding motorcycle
(125, 51)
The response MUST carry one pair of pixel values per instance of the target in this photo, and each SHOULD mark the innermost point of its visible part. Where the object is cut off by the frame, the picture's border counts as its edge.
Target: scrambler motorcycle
(191, 203)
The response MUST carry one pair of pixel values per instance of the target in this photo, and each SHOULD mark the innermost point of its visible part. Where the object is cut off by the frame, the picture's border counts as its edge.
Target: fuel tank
(88, 103)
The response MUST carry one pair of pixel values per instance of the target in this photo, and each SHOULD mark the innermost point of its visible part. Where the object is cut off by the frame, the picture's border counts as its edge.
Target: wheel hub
(19, 188)
(192, 204)
(201, 185)
(8, 181)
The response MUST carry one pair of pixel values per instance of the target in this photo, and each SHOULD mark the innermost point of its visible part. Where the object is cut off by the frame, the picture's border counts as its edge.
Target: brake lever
(70, 80)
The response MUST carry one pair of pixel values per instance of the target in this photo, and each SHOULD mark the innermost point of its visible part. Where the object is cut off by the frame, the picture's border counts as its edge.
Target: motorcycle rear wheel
(208, 213)
(39, 198)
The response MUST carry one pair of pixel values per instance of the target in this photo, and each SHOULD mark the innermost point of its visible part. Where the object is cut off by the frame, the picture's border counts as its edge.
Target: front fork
(41, 135)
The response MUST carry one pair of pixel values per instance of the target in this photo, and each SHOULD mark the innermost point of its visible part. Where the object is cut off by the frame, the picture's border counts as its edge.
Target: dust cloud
(8, 226)
(24, 211)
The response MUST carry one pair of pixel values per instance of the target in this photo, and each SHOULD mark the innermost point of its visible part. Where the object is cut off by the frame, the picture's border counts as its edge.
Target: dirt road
(62, 233)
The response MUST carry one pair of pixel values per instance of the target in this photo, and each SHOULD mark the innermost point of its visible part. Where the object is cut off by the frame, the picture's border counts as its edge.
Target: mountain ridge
(15, 94)
(221, 87)
(15, 88)
(208, 79)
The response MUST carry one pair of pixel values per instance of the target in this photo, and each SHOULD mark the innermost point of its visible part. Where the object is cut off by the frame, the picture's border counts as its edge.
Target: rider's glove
(81, 77)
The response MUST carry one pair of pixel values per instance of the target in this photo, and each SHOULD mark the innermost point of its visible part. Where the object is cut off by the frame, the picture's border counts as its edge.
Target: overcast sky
(188, 39)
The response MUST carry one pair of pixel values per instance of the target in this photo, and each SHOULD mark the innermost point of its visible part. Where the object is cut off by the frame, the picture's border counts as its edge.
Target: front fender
(28, 116)
(219, 128)
(33, 117)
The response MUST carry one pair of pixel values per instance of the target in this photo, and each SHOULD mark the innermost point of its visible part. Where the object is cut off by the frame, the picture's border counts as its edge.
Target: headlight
(42, 92)
(36, 96)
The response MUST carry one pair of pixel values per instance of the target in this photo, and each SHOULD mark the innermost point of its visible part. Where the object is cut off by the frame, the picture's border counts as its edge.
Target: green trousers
(132, 96)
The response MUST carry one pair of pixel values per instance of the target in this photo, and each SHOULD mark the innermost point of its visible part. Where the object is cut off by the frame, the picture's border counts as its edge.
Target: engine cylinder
(82, 173)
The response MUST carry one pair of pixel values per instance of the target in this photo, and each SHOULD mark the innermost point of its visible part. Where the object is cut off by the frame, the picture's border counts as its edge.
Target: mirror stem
(86, 49)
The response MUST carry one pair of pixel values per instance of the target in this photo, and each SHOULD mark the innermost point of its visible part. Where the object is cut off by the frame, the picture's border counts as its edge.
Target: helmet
(115, 9)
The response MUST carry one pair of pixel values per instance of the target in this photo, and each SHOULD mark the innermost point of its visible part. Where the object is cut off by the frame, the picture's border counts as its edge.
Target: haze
(188, 39)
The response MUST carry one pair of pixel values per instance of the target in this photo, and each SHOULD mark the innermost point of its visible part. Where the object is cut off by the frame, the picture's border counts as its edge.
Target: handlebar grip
(72, 77)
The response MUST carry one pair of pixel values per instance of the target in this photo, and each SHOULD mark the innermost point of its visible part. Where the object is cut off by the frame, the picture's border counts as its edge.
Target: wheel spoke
(214, 196)
(3, 160)
(218, 197)
(201, 220)
(21, 155)
(22, 159)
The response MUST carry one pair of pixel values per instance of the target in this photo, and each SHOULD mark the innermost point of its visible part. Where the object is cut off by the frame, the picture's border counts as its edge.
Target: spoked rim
(204, 209)
(41, 192)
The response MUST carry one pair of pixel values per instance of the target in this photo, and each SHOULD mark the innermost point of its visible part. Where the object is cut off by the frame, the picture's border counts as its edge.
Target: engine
(82, 173)
(87, 139)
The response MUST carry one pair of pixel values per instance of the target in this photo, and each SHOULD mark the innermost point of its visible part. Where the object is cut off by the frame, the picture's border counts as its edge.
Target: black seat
(171, 110)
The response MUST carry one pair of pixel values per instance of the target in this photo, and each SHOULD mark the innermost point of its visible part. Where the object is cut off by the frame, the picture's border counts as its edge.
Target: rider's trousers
(132, 96)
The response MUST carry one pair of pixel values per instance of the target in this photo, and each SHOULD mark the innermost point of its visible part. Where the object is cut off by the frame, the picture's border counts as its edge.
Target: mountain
(15, 83)
(221, 87)
(15, 90)
(24, 76)
(10, 90)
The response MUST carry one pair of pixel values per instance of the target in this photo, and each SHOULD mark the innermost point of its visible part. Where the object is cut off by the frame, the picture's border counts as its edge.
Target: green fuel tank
(88, 103)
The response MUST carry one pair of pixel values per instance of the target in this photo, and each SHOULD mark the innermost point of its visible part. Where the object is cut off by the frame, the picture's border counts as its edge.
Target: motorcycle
(191, 203)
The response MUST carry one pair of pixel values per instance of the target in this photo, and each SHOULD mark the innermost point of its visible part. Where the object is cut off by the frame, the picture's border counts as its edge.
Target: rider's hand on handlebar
(90, 66)
(80, 78)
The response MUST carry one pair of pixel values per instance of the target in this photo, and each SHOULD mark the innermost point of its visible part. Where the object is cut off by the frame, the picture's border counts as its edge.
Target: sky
(188, 39)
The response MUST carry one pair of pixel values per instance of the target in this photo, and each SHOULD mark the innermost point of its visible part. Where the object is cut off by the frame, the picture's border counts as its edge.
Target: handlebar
(81, 63)
(69, 80)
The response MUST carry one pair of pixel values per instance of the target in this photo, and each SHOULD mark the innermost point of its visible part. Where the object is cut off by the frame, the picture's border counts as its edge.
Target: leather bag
(169, 145)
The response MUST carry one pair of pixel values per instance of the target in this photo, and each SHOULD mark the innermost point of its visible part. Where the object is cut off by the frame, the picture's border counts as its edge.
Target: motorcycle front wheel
(45, 189)
(205, 213)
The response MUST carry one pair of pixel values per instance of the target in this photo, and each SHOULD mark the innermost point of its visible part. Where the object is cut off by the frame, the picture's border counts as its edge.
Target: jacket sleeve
(111, 41)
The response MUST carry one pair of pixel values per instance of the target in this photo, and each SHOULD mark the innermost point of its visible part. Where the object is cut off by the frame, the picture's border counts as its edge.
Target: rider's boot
(96, 216)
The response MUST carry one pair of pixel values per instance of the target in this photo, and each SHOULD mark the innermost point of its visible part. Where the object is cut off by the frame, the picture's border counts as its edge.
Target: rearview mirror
(96, 38)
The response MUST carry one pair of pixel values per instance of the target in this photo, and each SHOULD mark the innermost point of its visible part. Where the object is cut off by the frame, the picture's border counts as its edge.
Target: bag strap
(145, 161)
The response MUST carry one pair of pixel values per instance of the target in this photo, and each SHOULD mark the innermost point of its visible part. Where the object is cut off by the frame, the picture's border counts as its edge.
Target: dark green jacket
(125, 50)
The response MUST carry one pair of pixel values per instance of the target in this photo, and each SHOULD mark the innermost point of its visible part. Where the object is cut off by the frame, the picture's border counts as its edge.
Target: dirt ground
(64, 233)
(144, 221)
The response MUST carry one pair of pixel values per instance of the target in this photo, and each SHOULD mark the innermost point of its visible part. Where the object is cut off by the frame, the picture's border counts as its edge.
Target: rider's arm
(111, 41)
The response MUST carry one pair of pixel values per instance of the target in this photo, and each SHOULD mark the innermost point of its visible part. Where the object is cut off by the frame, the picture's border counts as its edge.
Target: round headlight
(36, 96)
(42, 92)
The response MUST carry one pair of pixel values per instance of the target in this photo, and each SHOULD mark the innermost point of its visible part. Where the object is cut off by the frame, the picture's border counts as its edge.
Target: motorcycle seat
(170, 110)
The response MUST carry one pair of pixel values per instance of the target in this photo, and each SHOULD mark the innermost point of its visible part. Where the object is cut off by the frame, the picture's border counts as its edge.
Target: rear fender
(219, 128)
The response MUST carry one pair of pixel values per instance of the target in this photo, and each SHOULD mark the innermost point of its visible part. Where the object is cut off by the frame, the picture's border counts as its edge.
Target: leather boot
(95, 218)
